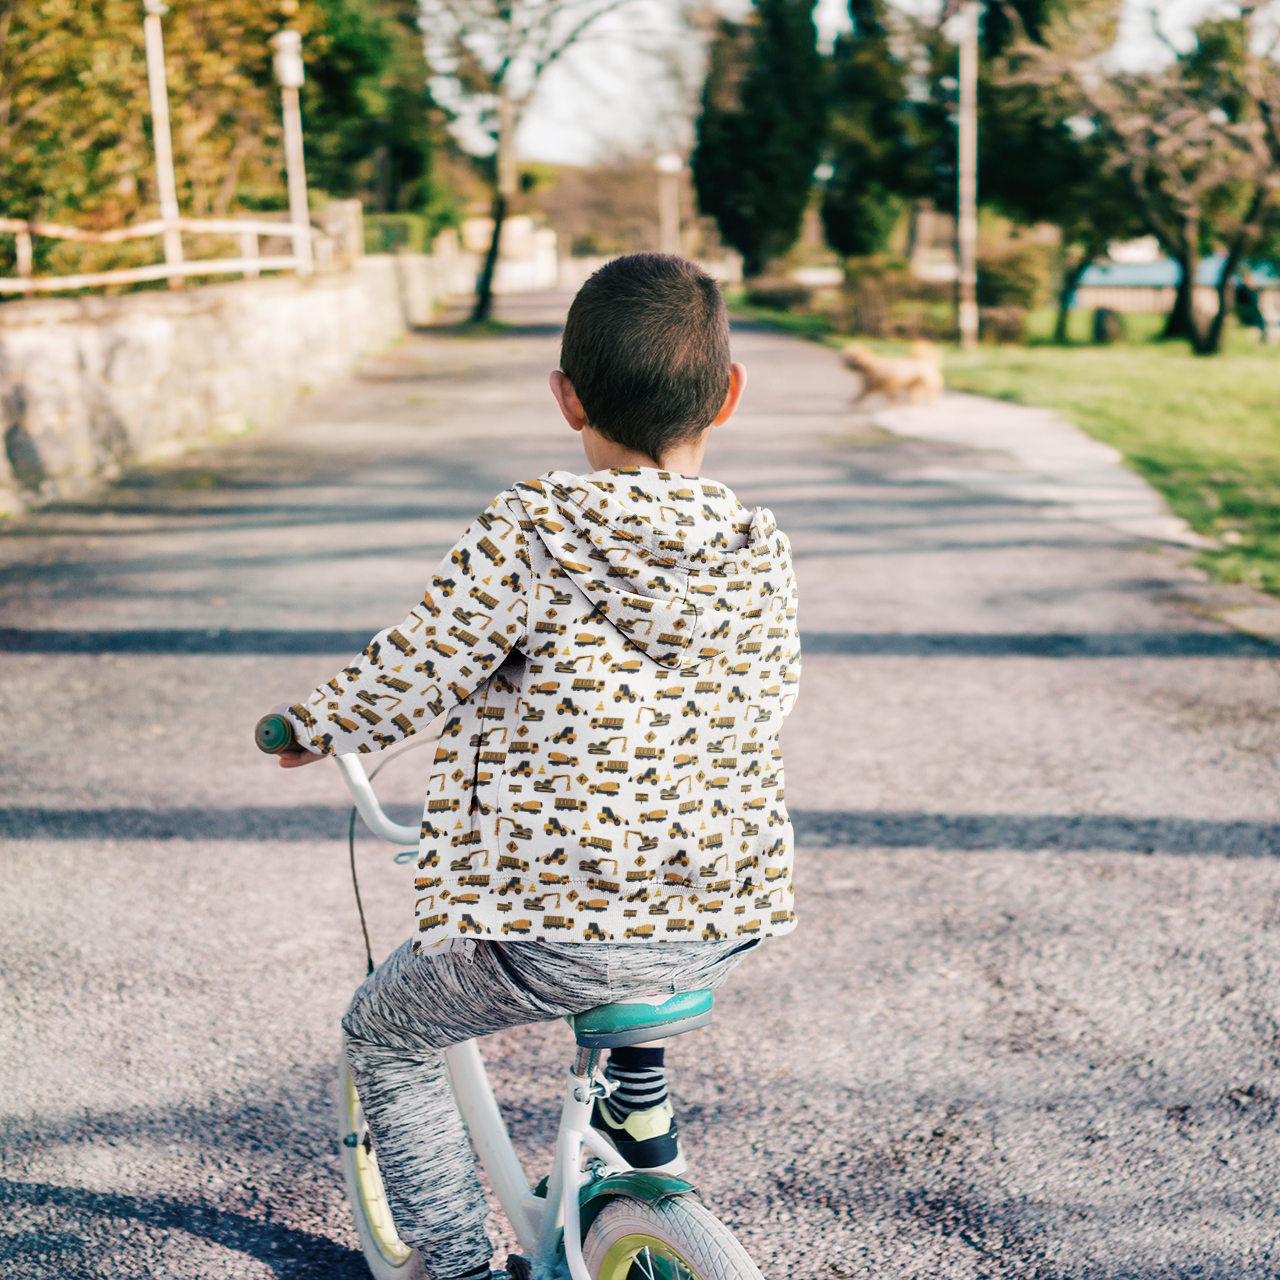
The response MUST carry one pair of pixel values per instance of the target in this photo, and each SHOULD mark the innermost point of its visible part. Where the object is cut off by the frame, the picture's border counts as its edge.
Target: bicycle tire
(675, 1239)
(387, 1256)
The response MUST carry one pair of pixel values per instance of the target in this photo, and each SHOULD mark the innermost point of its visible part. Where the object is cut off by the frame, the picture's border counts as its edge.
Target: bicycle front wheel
(674, 1240)
(389, 1258)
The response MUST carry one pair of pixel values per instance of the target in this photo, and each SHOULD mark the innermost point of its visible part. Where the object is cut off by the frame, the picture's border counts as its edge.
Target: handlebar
(274, 734)
(367, 803)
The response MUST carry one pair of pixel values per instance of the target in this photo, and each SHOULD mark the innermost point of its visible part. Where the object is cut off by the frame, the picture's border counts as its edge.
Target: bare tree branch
(495, 53)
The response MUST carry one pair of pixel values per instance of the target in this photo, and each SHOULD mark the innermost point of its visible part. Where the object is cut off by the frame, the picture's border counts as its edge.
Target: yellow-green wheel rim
(373, 1199)
(622, 1257)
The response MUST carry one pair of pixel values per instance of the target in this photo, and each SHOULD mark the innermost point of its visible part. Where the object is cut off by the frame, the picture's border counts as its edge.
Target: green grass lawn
(1204, 431)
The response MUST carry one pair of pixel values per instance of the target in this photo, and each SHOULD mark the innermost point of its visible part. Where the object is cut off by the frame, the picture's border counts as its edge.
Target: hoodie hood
(672, 562)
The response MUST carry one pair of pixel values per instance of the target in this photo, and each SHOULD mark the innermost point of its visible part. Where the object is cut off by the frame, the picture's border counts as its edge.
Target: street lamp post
(669, 168)
(287, 64)
(967, 213)
(166, 185)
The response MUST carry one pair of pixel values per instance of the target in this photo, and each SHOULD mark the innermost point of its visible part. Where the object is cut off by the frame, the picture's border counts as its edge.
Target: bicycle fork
(567, 1176)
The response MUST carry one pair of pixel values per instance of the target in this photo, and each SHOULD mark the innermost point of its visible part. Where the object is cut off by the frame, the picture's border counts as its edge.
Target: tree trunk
(1212, 344)
(1070, 282)
(1244, 240)
(382, 180)
(484, 287)
(1180, 322)
(506, 183)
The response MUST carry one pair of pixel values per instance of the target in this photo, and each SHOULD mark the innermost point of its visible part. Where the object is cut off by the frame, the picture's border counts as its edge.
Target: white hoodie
(617, 652)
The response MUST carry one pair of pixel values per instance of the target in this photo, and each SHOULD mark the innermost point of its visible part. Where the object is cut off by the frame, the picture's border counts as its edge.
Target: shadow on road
(74, 1232)
(236, 640)
(859, 829)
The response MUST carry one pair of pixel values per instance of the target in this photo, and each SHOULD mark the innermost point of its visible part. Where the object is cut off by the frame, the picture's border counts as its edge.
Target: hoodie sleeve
(473, 613)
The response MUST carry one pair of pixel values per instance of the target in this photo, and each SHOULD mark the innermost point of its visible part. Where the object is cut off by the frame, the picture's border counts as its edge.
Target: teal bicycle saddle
(631, 1022)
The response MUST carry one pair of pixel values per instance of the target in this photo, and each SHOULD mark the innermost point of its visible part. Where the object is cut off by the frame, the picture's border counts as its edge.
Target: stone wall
(89, 385)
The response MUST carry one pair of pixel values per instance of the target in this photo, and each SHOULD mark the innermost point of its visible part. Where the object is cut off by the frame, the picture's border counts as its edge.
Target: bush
(778, 295)
(883, 299)
(1108, 327)
(1001, 325)
(1020, 277)
(396, 233)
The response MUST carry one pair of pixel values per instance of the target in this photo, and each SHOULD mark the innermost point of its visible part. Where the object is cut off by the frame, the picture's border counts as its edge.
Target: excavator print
(547, 785)
(517, 831)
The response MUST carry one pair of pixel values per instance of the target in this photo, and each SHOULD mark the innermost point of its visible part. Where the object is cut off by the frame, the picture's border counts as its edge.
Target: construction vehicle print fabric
(648, 621)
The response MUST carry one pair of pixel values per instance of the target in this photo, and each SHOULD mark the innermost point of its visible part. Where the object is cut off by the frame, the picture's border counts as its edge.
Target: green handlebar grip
(274, 734)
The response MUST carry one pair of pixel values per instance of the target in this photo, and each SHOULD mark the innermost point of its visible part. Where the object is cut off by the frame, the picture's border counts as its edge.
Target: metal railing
(250, 261)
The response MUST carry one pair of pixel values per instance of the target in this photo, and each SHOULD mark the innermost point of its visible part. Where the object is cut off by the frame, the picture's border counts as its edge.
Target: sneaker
(646, 1140)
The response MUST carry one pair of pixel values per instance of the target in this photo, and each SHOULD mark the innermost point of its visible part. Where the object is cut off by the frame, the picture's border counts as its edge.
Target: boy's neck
(683, 459)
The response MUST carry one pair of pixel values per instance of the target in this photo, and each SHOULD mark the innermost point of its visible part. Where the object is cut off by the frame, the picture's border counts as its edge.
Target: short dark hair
(646, 346)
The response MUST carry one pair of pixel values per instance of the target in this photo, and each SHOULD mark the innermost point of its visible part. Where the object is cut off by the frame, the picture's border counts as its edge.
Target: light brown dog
(919, 374)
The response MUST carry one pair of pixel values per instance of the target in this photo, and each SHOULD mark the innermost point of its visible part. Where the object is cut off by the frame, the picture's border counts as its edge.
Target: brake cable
(351, 841)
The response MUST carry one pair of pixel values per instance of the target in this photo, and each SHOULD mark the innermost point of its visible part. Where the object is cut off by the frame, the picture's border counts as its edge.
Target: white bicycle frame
(538, 1221)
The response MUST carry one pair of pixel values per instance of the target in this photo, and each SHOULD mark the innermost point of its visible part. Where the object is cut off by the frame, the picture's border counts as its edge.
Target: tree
(872, 136)
(1039, 168)
(761, 129)
(75, 125)
(366, 107)
(1040, 172)
(1197, 142)
(488, 59)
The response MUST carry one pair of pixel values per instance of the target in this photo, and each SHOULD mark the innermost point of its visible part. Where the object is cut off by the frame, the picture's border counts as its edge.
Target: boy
(613, 654)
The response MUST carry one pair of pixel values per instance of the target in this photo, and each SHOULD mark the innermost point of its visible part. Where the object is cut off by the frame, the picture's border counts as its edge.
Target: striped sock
(641, 1081)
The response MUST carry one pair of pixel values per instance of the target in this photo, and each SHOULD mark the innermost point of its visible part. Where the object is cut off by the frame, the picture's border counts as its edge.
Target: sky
(609, 98)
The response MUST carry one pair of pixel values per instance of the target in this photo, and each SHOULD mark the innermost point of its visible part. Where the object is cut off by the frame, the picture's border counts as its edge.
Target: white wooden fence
(310, 248)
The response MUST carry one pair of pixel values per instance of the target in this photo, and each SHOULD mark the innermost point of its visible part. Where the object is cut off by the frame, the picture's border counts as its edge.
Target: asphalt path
(1027, 1026)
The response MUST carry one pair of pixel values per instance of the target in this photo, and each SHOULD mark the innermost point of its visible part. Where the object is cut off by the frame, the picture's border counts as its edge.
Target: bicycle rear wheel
(389, 1258)
(674, 1240)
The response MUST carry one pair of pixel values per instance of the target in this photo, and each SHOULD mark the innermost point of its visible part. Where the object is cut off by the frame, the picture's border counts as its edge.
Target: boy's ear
(737, 385)
(567, 399)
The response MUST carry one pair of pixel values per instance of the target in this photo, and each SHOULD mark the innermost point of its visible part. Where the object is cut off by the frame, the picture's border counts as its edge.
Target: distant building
(1152, 286)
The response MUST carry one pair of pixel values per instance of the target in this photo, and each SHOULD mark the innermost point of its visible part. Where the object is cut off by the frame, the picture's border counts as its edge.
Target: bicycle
(593, 1217)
